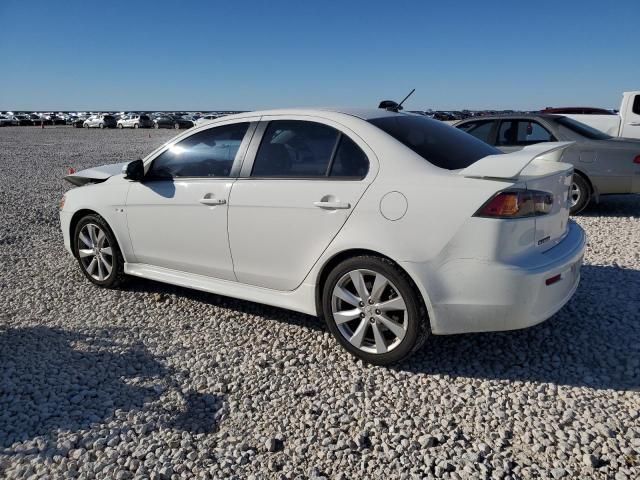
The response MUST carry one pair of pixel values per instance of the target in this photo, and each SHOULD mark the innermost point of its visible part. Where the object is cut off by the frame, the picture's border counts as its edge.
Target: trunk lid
(536, 167)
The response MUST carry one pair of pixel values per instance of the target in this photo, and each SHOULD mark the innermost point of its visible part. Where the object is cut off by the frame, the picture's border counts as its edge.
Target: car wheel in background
(374, 310)
(579, 194)
(97, 252)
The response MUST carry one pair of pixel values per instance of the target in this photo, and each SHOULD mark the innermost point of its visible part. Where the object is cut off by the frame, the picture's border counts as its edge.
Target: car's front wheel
(120, 126)
(97, 252)
(156, 125)
(176, 126)
(579, 194)
(373, 309)
(135, 125)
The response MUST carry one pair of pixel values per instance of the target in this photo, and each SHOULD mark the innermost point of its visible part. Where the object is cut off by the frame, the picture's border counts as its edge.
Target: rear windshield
(582, 129)
(440, 144)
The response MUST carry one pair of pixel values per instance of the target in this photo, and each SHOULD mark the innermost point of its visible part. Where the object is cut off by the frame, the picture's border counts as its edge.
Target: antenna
(399, 107)
(393, 106)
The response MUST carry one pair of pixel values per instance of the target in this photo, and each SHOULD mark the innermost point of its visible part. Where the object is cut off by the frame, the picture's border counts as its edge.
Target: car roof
(362, 113)
(510, 116)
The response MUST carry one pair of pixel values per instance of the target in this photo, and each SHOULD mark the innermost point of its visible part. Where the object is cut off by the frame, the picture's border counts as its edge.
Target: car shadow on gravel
(53, 379)
(594, 341)
(614, 206)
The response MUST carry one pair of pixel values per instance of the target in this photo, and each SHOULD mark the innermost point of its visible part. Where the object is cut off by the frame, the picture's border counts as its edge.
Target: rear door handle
(213, 201)
(333, 205)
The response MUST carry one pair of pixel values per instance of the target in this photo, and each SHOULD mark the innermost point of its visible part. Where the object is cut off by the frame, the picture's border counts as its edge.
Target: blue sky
(197, 55)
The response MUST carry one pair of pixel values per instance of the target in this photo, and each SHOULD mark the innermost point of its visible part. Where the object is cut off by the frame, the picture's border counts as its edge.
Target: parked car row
(176, 120)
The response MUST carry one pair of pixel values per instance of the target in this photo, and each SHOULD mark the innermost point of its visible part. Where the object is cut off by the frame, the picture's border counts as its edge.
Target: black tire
(120, 126)
(156, 125)
(135, 125)
(176, 126)
(116, 277)
(417, 327)
(85, 125)
(101, 125)
(583, 192)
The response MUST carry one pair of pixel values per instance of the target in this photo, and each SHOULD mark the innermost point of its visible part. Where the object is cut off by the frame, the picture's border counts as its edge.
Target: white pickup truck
(625, 124)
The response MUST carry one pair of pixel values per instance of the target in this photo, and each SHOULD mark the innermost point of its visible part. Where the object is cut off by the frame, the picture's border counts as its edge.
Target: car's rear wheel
(101, 125)
(156, 125)
(97, 252)
(373, 309)
(85, 125)
(579, 194)
(120, 126)
(135, 125)
(176, 126)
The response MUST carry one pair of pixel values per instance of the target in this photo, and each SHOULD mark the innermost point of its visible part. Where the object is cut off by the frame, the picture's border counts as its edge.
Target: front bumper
(65, 225)
(472, 295)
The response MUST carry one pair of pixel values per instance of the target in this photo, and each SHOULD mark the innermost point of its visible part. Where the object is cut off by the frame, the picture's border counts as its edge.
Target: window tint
(480, 130)
(293, 148)
(349, 160)
(209, 153)
(636, 105)
(435, 141)
(522, 132)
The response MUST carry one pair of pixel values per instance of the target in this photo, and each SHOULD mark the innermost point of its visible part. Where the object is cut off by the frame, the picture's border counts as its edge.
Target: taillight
(517, 203)
(637, 159)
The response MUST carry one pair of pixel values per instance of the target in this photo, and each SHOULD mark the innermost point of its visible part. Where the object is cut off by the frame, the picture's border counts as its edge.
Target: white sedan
(391, 226)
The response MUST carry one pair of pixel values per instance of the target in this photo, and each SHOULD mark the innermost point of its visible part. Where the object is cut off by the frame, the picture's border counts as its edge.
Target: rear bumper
(471, 295)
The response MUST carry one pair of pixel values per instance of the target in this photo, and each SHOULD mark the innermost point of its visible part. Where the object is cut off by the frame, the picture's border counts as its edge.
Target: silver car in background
(603, 164)
(100, 121)
(135, 121)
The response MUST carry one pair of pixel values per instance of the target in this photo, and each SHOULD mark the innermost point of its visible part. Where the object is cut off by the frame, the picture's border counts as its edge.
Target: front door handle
(212, 201)
(634, 124)
(333, 205)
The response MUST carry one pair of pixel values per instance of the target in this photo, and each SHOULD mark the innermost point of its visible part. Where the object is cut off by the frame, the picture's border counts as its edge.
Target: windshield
(440, 144)
(581, 129)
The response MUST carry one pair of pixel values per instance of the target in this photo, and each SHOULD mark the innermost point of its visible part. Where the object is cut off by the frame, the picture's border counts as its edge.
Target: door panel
(631, 119)
(277, 232)
(182, 225)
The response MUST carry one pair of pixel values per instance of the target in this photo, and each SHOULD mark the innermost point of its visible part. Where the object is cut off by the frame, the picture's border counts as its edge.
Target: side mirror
(134, 170)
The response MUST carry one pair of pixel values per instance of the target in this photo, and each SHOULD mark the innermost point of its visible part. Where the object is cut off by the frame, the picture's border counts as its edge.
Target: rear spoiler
(511, 165)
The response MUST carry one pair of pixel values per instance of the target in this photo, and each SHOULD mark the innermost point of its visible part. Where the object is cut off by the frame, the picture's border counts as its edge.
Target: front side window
(438, 143)
(481, 130)
(209, 153)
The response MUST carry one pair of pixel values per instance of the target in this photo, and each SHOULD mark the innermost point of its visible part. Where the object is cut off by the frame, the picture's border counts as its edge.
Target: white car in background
(206, 118)
(135, 121)
(390, 226)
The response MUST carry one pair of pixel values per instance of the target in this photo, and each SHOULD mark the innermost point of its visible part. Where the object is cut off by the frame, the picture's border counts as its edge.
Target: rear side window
(480, 130)
(636, 105)
(293, 148)
(438, 143)
(209, 153)
(349, 160)
(522, 133)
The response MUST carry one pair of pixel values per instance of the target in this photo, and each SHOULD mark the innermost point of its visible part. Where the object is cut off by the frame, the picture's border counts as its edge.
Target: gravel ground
(154, 381)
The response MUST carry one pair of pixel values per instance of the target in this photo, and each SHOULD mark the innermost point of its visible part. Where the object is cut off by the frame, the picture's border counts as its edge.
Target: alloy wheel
(574, 194)
(95, 252)
(369, 311)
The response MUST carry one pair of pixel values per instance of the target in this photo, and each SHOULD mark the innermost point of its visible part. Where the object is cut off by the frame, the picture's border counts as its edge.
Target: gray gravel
(159, 382)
